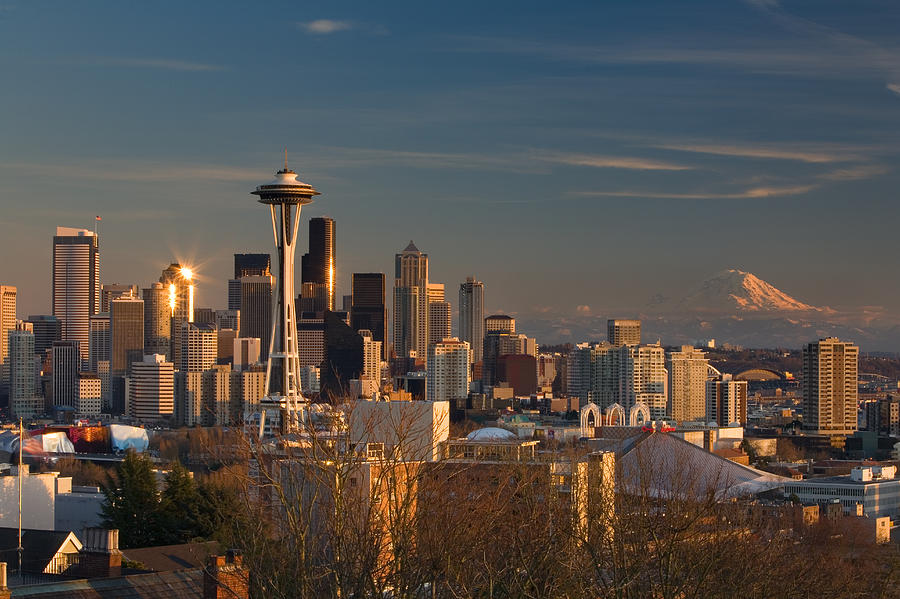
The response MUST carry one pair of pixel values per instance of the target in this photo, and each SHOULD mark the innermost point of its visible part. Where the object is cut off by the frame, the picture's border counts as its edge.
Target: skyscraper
(318, 265)
(100, 341)
(448, 371)
(66, 364)
(830, 380)
(471, 316)
(7, 323)
(199, 347)
(76, 283)
(368, 310)
(623, 332)
(110, 291)
(157, 320)
(726, 401)
(344, 359)
(500, 323)
(256, 309)
(440, 319)
(47, 329)
(246, 265)
(688, 371)
(126, 328)
(179, 282)
(411, 303)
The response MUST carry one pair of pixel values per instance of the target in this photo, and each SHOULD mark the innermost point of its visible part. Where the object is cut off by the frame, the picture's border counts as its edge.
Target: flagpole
(21, 440)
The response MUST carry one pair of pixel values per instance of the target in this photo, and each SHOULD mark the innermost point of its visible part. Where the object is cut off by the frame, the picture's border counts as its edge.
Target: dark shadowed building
(343, 356)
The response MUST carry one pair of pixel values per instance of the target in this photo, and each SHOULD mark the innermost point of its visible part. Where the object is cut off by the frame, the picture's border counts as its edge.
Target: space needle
(285, 196)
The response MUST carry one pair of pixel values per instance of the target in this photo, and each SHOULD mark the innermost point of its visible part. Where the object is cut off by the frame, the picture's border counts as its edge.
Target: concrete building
(199, 347)
(448, 370)
(126, 330)
(151, 389)
(415, 430)
(248, 387)
(623, 332)
(216, 409)
(228, 319)
(76, 284)
(24, 399)
(410, 303)
(830, 379)
(874, 489)
(188, 398)
(90, 395)
(371, 357)
(471, 316)
(726, 401)
(100, 341)
(309, 379)
(256, 309)
(688, 372)
(439, 321)
(66, 360)
(367, 307)
(311, 340)
(7, 323)
(500, 342)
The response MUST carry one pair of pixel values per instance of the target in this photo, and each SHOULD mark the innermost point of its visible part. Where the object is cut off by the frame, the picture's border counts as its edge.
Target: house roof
(39, 546)
(171, 585)
(170, 558)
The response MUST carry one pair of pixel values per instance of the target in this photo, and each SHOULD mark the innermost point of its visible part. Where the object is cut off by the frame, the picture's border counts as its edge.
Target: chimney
(100, 556)
(4, 590)
(225, 577)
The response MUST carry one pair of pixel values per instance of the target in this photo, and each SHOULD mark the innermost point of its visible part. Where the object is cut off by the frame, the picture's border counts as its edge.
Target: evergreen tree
(132, 502)
(180, 506)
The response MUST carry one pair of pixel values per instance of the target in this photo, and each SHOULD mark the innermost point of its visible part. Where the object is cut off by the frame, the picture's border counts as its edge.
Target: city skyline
(743, 151)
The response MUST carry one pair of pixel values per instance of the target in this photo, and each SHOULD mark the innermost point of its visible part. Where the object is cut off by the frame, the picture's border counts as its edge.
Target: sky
(568, 154)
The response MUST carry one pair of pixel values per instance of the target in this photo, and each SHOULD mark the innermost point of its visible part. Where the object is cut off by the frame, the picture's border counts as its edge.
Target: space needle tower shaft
(285, 196)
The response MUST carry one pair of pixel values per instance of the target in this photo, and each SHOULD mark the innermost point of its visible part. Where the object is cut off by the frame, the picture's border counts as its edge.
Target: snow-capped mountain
(735, 291)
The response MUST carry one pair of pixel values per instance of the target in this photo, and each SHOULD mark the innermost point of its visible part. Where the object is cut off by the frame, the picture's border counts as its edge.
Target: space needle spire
(285, 196)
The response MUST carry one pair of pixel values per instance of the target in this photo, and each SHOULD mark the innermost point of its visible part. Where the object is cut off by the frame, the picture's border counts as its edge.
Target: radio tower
(285, 196)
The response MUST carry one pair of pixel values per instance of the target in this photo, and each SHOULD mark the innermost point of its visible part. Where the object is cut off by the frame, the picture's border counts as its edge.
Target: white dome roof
(490, 433)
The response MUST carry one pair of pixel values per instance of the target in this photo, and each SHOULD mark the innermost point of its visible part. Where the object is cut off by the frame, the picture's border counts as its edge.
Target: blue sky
(570, 154)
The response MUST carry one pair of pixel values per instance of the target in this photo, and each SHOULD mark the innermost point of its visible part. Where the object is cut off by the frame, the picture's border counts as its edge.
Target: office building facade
(471, 316)
(256, 309)
(623, 331)
(318, 266)
(151, 388)
(7, 324)
(410, 334)
(76, 284)
(367, 306)
(448, 371)
(126, 328)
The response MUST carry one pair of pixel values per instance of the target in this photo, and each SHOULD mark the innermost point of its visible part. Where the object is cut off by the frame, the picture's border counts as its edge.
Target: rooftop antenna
(285, 159)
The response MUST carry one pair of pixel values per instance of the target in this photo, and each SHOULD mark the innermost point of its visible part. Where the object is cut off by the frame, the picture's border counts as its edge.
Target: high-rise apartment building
(499, 323)
(7, 324)
(151, 389)
(371, 357)
(199, 347)
(76, 284)
(830, 382)
(367, 306)
(126, 329)
(688, 372)
(318, 265)
(256, 309)
(100, 341)
(21, 359)
(66, 365)
(89, 401)
(248, 387)
(623, 332)
(157, 320)
(726, 401)
(216, 396)
(410, 303)
(47, 329)
(448, 370)
(110, 291)
(439, 321)
(471, 316)
(246, 265)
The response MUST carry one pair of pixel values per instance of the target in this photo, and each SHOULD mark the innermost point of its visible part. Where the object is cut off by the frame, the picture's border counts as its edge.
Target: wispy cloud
(894, 87)
(777, 152)
(325, 26)
(152, 63)
(622, 162)
(854, 173)
(134, 171)
(747, 194)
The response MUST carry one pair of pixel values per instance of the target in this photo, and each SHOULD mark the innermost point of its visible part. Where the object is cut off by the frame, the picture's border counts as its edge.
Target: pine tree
(132, 502)
(180, 507)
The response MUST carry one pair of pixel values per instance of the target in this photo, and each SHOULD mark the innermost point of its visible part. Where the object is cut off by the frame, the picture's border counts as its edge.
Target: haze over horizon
(589, 157)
